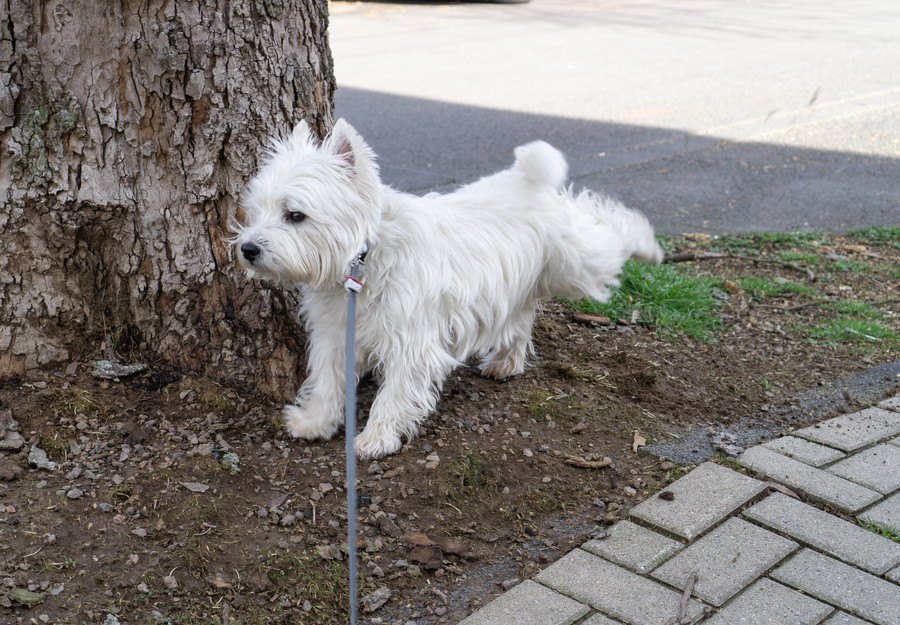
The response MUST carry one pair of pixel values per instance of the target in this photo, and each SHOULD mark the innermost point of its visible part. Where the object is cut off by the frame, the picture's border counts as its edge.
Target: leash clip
(352, 281)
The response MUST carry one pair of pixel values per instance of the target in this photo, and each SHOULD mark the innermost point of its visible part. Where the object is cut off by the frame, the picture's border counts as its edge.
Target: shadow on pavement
(684, 182)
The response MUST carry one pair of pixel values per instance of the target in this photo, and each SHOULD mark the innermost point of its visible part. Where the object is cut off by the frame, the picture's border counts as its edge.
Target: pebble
(38, 459)
(139, 532)
(74, 493)
(528, 453)
(628, 490)
(546, 480)
(142, 588)
(170, 582)
(288, 520)
(509, 583)
(105, 507)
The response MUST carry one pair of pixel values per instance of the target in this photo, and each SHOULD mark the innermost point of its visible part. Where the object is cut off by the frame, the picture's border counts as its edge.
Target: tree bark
(127, 130)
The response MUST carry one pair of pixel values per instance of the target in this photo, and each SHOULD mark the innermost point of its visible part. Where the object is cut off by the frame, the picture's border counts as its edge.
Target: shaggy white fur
(446, 277)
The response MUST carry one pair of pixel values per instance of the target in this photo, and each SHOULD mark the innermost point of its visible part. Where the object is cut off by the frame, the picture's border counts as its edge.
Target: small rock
(12, 441)
(628, 490)
(142, 588)
(667, 495)
(57, 590)
(232, 463)
(139, 532)
(195, 487)
(9, 470)
(74, 493)
(375, 600)
(307, 606)
(170, 582)
(374, 469)
(37, 459)
(133, 559)
(329, 552)
(667, 465)
(106, 507)
(528, 453)
(288, 520)
(109, 370)
(509, 583)
(111, 619)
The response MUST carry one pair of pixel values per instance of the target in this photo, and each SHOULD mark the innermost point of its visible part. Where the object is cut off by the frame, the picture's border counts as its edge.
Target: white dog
(446, 276)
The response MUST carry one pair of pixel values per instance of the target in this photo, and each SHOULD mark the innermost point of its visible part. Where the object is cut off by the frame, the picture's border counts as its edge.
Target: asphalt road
(709, 115)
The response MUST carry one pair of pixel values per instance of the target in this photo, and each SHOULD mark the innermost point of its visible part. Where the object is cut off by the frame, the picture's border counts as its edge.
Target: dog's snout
(250, 251)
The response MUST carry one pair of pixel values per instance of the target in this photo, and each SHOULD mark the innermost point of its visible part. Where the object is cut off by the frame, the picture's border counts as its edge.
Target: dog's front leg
(318, 409)
(409, 390)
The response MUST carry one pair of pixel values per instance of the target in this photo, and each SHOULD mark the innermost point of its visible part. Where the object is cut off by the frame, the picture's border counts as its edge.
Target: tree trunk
(127, 131)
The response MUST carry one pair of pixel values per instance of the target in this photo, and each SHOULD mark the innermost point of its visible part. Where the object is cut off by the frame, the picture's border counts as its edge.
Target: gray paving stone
(770, 603)
(877, 468)
(529, 604)
(826, 532)
(599, 619)
(891, 404)
(842, 618)
(896, 441)
(614, 590)
(852, 431)
(886, 514)
(703, 497)
(842, 585)
(805, 451)
(894, 575)
(727, 560)
(816, 483)
(634, 547)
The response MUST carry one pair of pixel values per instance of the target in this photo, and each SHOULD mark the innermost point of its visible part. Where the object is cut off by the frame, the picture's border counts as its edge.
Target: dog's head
(311, 208)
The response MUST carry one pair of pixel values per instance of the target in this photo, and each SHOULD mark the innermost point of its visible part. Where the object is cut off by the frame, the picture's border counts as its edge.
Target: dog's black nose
(250, 251)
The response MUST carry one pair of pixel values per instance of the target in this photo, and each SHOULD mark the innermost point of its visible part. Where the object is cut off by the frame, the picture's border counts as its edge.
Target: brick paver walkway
(753, 553)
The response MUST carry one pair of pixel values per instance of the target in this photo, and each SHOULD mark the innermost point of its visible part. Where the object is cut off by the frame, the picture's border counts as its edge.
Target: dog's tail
(541, 164)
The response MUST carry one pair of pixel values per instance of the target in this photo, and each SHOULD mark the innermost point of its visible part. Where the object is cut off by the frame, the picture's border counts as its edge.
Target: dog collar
(352, 282)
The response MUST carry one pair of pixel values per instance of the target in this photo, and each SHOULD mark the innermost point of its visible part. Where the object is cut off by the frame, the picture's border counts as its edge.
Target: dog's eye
(295, 216)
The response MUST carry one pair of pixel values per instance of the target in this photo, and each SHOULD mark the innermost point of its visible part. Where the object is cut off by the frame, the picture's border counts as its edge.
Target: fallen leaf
(638, 442)
(25, 597)
(195, 487)
(784, 490)
(453, 547)
(588, 464)
(429, 556)
(417, 539)
(219, 581)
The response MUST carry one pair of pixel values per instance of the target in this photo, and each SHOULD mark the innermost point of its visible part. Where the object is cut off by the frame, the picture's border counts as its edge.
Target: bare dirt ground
(177, 499)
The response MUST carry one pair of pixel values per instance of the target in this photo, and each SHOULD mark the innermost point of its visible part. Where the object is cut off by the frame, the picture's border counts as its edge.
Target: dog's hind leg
(408, 392)
(509, 359)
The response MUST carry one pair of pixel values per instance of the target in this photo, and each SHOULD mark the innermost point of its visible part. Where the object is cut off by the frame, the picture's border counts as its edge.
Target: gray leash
(353, 285)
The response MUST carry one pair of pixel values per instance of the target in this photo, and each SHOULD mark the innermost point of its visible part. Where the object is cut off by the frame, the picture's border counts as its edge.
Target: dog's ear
(302, 135)
(345, 143)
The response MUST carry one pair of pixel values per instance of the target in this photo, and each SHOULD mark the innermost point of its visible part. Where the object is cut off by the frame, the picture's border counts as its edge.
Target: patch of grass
(755, 240)
(539, 500)
(791, 256)
(852, 330)
(855, 308)
(666, 299)
(879, 235)
(74, 401)
(887, 532)
(766, 287)
(471, 473)
(307, 578)
(851, 266)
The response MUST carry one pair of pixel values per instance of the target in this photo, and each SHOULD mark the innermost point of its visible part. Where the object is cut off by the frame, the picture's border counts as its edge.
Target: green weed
(766, 287)
(671, 301)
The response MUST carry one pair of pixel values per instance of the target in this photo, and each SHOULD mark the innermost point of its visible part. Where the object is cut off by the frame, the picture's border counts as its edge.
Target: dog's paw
(301, 424)
(501, 369)
(371, 445)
